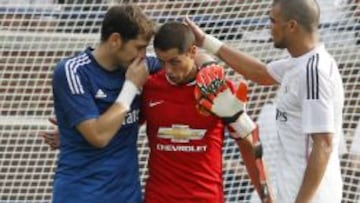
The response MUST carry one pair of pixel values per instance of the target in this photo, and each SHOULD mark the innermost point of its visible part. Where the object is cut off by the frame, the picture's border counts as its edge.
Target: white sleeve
(277, 69)
(316, 94)
(355, 146)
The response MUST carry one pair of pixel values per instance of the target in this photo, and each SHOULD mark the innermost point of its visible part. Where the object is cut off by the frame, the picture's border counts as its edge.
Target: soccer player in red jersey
(185, 163)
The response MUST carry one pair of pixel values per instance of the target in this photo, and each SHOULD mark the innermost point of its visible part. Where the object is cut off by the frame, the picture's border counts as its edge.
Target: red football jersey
(185, 163)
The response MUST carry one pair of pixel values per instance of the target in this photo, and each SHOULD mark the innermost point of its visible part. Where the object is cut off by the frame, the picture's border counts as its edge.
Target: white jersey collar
(305, 56)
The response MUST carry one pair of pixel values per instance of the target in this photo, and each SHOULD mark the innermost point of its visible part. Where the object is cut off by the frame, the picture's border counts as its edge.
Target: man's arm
(317, 163)
(248, 66)
(101, 130)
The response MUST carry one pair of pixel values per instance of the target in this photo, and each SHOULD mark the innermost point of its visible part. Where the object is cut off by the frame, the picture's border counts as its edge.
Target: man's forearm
(314, 172)
(99, 132)
(247, 65)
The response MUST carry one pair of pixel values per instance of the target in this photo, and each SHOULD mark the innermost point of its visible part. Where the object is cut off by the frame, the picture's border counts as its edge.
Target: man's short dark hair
(304, 12)
(129, 21)
(174, 35)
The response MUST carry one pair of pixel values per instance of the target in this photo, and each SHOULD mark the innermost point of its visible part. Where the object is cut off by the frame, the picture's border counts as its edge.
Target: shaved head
(305, 12)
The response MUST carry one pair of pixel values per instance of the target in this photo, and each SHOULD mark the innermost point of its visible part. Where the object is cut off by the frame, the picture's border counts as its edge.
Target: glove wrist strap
(127, 94)
(243, 126)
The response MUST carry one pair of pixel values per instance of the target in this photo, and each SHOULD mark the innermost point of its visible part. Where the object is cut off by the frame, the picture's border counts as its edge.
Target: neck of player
(103, 59)
(303, 45)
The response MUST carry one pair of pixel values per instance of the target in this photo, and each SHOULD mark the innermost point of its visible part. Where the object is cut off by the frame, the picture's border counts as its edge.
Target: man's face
(278, 28)
(126, 52)
(179, 68)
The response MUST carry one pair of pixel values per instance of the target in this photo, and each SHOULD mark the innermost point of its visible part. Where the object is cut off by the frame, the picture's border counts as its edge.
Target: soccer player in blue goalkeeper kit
(97, 109)
(309, 101)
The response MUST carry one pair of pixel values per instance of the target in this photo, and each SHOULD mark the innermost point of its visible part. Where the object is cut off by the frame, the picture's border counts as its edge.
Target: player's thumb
(137, 60)
(187, 21)
(241, 92)
(53, 120)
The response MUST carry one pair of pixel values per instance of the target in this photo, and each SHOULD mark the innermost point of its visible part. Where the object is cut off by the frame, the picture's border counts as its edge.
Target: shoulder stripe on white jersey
(317, 76)
(312, 77)
(72, 77)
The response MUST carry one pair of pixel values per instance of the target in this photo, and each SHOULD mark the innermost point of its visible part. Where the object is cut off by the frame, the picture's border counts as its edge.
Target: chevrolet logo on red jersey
(181, 133)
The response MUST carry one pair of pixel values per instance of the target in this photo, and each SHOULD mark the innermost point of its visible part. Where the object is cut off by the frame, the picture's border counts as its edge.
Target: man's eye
(174, 63)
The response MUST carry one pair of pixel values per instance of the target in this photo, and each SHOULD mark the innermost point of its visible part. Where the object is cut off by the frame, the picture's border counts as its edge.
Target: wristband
(127, 94)
(211, 44)
(243, 126)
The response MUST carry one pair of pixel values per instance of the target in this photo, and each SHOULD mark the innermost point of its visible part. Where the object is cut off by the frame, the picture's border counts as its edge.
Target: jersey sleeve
(277, 69)
(153, 64)
(316, 92)
(72, 95)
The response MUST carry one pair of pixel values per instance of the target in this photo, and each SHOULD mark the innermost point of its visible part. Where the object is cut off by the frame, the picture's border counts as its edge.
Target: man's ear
(193, 51)
(115, 40)
(292, 25)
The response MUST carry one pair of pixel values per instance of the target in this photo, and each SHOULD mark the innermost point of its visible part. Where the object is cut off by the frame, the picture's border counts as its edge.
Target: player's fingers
(241, 92)
(216, 71)
(204, 76)
(211, 97)
(48, 138)
(193, 25)
(53, 120)
(48, 142)
(137, 60)
(54, 147)
(199, 78)
(197, 94)
(206, 104)
(184, 21)
(44, 135)
(201, 84)
(221, 73)
(222, 87)
(189, 22)
(202, 110)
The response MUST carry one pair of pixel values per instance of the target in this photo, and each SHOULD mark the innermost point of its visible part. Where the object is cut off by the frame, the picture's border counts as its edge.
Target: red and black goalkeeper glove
(215, 96)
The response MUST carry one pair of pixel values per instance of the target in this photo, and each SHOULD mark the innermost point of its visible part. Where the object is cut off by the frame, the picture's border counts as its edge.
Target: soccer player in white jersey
(309, 101)
(354, 163)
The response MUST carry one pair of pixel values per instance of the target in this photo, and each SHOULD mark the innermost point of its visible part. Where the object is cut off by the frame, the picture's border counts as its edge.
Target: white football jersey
(355, 146)
(310, 100)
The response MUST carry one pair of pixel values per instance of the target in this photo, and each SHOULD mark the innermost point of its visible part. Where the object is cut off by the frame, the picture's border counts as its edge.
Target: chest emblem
(100, 94)
(181, 133)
